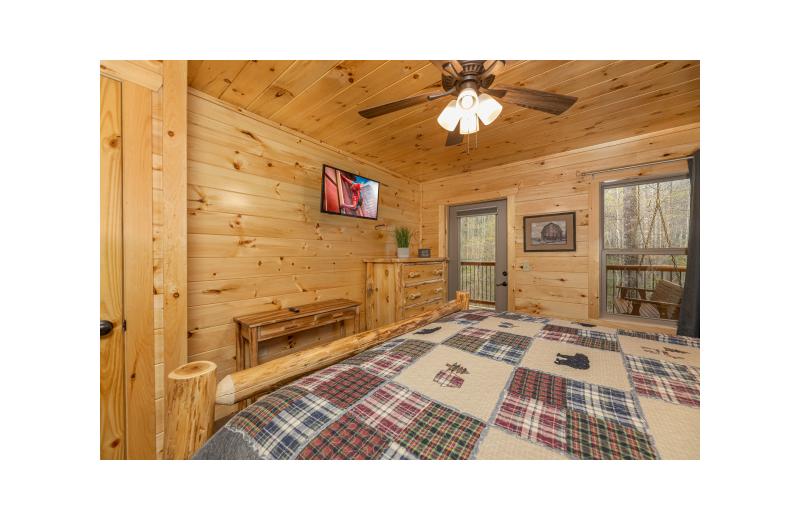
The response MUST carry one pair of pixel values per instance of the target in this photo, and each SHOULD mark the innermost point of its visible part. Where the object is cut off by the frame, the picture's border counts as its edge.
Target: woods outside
(645, 216)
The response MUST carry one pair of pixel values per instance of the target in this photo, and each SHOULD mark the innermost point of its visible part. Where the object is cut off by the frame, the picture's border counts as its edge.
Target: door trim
(510, 196)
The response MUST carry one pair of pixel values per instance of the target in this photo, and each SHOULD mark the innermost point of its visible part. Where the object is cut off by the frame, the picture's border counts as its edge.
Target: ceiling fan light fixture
(468, 101)
(469, 124)
(450, 116)
(488, 108)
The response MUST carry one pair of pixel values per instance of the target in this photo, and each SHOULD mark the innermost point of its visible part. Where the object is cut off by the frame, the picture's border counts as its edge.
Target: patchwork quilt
(485, 385)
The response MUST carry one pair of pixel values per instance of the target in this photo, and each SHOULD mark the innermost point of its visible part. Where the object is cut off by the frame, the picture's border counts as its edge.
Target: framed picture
(549, 232)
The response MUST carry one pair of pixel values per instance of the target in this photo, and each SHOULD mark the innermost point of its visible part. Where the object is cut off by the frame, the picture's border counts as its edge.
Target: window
(644, 235)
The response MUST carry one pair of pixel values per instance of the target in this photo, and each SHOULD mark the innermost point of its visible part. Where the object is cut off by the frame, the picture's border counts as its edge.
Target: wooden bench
(664, 303)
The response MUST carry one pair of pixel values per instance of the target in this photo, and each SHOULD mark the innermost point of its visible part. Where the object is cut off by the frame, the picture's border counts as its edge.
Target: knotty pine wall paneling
(558, 284)
(257, 240)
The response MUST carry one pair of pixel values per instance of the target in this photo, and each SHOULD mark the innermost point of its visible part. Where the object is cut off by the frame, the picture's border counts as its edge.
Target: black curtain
(689, 319)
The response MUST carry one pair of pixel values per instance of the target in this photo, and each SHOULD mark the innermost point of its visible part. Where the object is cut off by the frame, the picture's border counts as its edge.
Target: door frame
(497, 207)
(510, 196)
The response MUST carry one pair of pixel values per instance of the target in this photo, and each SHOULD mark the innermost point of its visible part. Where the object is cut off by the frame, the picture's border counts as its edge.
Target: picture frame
(549, 233)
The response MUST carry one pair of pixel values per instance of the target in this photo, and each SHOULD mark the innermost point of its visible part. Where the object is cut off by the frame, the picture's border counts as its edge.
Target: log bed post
(192, 391)
(463, 297)
(190, 409)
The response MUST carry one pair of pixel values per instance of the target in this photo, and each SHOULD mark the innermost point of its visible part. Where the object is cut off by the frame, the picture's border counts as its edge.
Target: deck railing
(478, 279)
(643, 276)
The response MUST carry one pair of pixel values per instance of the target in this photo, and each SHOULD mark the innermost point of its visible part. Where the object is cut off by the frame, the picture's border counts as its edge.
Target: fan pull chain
(476, 131)
(467, 140)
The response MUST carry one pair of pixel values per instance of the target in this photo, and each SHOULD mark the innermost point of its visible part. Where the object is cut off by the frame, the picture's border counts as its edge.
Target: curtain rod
(635, 166)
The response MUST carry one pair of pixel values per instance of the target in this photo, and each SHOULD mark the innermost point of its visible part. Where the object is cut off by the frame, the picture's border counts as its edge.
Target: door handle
(504, 284)
(105, 327)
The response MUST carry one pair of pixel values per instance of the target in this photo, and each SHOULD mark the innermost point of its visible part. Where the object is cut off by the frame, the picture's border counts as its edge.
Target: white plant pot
(402, 252)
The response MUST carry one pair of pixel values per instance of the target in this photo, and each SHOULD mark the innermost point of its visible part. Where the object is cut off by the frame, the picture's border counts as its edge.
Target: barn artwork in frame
(549, 232)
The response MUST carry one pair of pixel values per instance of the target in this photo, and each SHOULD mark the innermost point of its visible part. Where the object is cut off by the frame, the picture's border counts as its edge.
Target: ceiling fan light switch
(526, 266)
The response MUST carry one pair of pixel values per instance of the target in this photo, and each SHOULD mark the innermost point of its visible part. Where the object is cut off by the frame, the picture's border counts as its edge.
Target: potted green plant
(402, 235)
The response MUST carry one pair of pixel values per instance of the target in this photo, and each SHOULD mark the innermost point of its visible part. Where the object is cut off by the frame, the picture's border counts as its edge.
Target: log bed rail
(192, 391)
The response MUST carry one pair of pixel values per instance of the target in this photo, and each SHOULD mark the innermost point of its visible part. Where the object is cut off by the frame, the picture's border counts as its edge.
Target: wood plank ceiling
(617, 99)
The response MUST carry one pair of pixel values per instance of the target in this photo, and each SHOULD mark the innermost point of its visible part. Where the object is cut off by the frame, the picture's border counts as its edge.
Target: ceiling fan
(469, 81)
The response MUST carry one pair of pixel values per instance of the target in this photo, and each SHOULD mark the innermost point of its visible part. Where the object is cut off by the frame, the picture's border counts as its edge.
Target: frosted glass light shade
(468, 101)
(488, 109)
(450, 116)
(469, 124)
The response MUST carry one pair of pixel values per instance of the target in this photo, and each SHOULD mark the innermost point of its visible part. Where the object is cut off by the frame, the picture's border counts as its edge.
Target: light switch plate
(526, 266)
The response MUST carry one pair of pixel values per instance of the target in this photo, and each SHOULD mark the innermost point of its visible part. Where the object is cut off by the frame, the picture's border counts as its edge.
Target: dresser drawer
(266, 331)
(421, 273)
(424, 292)
(416, 309)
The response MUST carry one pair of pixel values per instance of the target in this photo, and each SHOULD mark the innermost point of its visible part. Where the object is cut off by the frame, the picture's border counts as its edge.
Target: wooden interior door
(112, 348)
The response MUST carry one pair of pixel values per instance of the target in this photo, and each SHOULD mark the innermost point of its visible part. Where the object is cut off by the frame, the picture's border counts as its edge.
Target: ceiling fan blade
(454, 64)
(400, 104)
(491, 67)
(548, 102)
(454, 137)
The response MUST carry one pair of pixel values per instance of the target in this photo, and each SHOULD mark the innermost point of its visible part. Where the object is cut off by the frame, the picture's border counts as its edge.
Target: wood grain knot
(176, 295)
(171, 133)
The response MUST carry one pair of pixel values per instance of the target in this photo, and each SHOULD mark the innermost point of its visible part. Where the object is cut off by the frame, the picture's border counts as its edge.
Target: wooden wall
(558, 283)
(256, 238)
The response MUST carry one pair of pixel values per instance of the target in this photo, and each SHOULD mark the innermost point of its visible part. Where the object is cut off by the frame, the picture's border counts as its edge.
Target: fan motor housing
(468, 77)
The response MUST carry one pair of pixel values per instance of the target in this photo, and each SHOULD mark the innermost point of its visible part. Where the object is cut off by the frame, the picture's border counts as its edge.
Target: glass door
(477, 249)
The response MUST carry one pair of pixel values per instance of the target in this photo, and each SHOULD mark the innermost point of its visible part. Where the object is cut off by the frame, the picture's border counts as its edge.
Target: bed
(478, 384)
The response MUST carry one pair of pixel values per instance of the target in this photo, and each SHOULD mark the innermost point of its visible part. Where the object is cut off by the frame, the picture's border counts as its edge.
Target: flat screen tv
(344, 193)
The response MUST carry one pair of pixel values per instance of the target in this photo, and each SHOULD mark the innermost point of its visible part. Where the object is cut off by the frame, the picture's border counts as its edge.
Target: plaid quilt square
(512, 340)
(387, 345)
(348, 387)
(364, 357)
(387, 365)
(532, 419)
(666, 381)
(255, 416)
(532, 384)
(280, 438)
(441, 433)
(582, 337)
(413, 348)
(592, 438)
(397, 452)
(316, 379)
(347, 438)
(500, 352)
(604, 403)
(477, 332)
(666, 369)
(522, 317)
(664, 338)
(469, 339)
(391, 409)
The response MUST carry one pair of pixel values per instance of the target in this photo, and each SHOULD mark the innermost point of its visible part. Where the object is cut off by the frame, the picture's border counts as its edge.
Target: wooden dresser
(398, 288)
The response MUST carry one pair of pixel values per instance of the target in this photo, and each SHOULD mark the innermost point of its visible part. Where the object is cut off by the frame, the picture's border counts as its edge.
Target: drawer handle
(438, 290)
(413, 275)
(414, 296)
(290, 327)
(438, 271)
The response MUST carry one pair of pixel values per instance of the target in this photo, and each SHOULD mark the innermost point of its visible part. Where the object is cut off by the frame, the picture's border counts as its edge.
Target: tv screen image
(345, 193)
